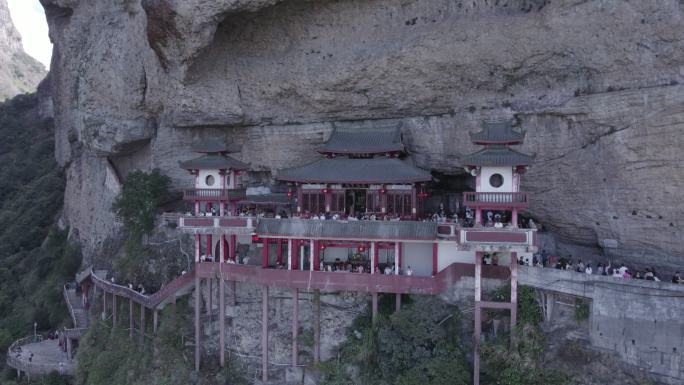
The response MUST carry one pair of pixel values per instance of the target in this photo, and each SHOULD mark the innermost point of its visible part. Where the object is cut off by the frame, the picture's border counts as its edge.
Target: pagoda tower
(497, 169)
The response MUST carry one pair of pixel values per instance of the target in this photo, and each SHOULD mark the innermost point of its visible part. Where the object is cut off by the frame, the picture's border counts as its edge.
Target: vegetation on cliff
(417, 345)
(35, 257)
(110, 358)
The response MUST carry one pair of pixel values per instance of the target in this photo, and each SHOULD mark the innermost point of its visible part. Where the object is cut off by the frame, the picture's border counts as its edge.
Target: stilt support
(264, 334)
(374, 307)
(317, 326)
(198, 300)
(295, 326)
(222, 322)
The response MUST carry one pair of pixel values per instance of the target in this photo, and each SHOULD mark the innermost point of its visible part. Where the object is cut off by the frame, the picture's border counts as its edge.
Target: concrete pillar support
(114, 312)
(142, 324)
(198, 300)
(295, 326)
(374, 307)
(222, 322)
(317, 326)
(131, 321)
(264, 334)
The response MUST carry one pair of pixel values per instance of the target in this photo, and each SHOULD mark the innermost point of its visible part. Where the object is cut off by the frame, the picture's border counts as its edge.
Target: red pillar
(233, 245)
(414, 203)
(400, 263)
(264, 260)
(435, 250)
(317, 255)
(224, 243)
(209, 248)
(198, 247)
(279, 251)
(197, 207)
(295, 254)
(374, 245)
(514, 292)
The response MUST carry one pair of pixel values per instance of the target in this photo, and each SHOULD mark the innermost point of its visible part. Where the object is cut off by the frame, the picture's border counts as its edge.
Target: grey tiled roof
(321, 229)
(213, 161)
(497, 155)
(273, 198)
(356, 140)
(346, 170)
(497, 132)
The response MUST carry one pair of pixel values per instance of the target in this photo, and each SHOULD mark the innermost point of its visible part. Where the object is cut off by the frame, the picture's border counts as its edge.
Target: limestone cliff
(19, 72)
(598, 86)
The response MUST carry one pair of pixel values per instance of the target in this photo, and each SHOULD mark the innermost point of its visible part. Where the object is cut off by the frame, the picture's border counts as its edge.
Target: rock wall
(19, 72)
(596, 85)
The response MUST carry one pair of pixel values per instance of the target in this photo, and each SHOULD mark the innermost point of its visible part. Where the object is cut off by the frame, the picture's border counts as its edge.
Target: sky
(29, 18)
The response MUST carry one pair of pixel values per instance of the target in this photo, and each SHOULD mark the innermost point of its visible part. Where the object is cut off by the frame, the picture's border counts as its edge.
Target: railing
(495, 199)
(203, 222)
(170, 218)
(213, 194)
(79, 329)
(18, 362)
(151, 301)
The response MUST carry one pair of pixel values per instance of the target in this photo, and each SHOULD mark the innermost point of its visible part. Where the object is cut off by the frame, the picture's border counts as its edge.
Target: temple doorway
(356, 201)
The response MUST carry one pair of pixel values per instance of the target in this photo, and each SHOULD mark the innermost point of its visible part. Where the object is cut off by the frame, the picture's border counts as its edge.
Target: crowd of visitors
(543, 259)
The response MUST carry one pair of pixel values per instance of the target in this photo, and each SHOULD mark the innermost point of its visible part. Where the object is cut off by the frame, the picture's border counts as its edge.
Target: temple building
(361, 172)
(353, 224)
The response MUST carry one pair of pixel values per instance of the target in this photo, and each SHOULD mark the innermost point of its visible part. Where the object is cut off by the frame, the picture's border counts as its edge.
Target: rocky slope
(597, 86)
(19, 72)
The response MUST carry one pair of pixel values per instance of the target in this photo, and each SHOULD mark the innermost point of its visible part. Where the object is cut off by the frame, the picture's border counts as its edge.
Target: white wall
(201, 180)
(419, 257)
(507, 173)
(448, 253)
(335, 252)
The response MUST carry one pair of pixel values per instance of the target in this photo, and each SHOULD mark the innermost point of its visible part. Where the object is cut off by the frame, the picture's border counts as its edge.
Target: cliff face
(19, 72)
(595, 84)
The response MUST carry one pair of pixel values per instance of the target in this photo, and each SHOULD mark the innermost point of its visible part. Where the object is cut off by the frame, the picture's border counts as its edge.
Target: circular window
(210, 180)
(496, 180)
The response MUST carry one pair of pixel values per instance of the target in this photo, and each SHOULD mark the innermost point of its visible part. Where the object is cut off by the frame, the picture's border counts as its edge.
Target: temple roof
(349, 170)
(497, 155)
(213, 162)
(266, 199)
(358, 230)
(357, 140)
(497, 133)
(211, 147)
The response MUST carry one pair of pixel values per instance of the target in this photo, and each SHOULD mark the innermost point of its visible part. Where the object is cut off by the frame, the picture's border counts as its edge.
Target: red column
(300, 198)
(435, 250)
(209, 248)
(224, 243)
(264, 260)
(317, 255)
(233, 245)
(374, 245)
(295, 254)
(198, 247)
(401, 254)
(279, 251)
(514, 290)
(414, 203)
(197, 207)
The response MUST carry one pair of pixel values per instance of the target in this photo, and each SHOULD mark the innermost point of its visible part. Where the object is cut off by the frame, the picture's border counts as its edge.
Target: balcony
(495, 200)
(208, 194)
(209, 225)
(488, 235)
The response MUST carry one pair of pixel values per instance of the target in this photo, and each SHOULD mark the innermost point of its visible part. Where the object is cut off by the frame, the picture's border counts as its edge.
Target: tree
(137, 203)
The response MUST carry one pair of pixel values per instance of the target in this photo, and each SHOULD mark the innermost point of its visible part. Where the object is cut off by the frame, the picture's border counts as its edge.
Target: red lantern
(361, 249)
(383, 191)
(255, 238)
(322, 246)
(289, 194)
(325, 190)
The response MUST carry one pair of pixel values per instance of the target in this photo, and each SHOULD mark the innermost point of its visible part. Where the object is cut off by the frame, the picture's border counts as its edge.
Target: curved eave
(397, 181)
(346, 151)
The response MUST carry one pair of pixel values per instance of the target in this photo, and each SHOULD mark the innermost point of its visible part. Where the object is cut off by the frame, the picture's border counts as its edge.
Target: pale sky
(29, 18)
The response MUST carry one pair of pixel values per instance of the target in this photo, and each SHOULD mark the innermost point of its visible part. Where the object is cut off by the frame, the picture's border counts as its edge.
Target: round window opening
(496, 180)
(210, 180)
